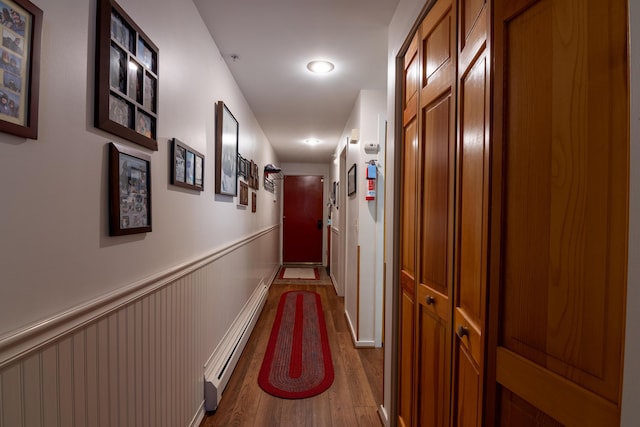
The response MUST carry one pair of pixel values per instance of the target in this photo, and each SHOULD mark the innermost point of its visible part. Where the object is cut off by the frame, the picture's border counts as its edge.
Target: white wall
(59, 268)
(56, 252)
(363, 301)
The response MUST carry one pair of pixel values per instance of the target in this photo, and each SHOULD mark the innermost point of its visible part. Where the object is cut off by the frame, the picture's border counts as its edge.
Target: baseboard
(334, 283)
(199, 416)
(354, 337)
(384, 417)
(224, 358)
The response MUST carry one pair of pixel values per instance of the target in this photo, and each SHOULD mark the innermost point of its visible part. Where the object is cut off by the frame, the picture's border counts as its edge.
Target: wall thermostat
(371, 148)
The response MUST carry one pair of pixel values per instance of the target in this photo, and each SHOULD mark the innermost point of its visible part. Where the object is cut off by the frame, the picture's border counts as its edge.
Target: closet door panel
(435, 243)
(408, 223)
(562, 240)
(472, 192)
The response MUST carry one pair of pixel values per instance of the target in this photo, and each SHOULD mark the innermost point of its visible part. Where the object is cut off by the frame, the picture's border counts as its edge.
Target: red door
(302, 220)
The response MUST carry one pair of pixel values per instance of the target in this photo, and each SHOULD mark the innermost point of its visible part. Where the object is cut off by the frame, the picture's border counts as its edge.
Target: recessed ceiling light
(312, 141)
(320, 66)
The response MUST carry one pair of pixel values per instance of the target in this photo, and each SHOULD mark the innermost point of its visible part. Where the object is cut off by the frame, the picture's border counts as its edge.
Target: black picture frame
(187, 166)
(129, 190)
(333, 193)
(21, 27)
(242, 167)
(127, 79)
(351, 180)
(227, 132)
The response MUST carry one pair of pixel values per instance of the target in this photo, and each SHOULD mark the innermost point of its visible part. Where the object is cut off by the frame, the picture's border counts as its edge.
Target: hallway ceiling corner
(267, 46)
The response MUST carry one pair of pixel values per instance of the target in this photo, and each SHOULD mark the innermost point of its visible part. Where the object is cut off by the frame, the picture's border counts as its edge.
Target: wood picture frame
(254, 200)
(244, 193)
(187, 166)
(351, 180)
(227, 132)
(129, 190)
(21, 26)
(127, 80)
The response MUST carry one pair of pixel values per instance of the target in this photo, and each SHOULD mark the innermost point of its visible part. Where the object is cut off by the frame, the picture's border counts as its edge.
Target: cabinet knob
(430, 300)
(462, 331)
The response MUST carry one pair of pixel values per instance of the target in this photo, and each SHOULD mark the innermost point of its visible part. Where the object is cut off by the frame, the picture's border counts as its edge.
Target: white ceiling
(275, 39)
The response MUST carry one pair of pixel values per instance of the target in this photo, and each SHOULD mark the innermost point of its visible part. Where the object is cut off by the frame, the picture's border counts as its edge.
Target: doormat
(297, 363)
(303, 273)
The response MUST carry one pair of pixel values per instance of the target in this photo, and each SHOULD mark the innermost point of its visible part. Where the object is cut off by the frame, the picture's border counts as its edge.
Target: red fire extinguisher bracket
(372, 172)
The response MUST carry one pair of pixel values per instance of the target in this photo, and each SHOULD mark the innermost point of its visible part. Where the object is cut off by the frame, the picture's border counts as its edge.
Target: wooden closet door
(408, 226)
(560, 227)
(435, 246)
(472, 195)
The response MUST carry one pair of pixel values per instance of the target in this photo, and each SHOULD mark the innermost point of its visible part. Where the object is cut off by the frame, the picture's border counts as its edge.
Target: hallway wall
(75, 301)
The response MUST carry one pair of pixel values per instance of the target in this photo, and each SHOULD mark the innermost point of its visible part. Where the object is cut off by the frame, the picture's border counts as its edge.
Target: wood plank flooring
(352, 399)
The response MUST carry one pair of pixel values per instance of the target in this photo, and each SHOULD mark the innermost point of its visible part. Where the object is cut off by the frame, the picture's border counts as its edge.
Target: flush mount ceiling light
(320, 66)
(312, 141)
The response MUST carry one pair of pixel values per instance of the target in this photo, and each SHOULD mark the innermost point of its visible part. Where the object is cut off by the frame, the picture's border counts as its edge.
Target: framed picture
(129, 191)
(253, 201)
(333, 193)
(244, 193)
(226, 151)
(126, 77)
(255, 182)
(351, 180)
(242, 167)
(187, 166)
(21, 27)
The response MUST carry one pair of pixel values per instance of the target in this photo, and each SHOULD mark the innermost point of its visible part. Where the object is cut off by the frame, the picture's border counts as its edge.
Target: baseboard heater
(220, 365)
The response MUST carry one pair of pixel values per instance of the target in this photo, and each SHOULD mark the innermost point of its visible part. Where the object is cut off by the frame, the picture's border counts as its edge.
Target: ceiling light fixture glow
(312, 141)
(320, 66)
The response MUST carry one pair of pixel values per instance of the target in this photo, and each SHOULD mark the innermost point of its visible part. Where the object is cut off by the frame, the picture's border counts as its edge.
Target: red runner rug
(297, 363)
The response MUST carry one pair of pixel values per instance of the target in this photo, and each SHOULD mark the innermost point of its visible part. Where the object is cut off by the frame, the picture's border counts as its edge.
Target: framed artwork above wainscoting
(126, 77)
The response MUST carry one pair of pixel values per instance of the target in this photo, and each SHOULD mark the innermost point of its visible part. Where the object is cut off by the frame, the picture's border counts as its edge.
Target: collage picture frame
(127, 78)
(187, 166)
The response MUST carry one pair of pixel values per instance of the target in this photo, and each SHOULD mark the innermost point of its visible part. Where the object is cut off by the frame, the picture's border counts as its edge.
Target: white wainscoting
(336, 261)
(136, 357)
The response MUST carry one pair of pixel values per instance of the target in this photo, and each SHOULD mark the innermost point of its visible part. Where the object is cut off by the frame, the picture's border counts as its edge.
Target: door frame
(315, 169)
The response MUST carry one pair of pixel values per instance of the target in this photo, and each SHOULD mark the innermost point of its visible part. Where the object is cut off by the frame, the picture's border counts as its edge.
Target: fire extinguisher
(372, 171)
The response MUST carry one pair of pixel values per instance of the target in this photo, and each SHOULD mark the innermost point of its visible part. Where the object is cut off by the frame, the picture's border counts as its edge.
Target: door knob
(462, 331)
(430, 300)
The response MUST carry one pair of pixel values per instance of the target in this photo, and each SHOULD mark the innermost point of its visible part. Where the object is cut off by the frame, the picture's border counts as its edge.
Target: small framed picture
(351, 180)
(129, 191)
(21, 26)
(226, 151)
(187, 166)
(253, 201)
(244, 193)
(242, 167)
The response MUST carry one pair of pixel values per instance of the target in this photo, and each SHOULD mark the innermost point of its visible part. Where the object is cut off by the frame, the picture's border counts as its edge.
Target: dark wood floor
(352, 400)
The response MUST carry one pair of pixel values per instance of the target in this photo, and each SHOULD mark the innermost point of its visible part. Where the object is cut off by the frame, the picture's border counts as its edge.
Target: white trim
(357, 343)
(384, 416)
(23, 341)
(198, 417)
